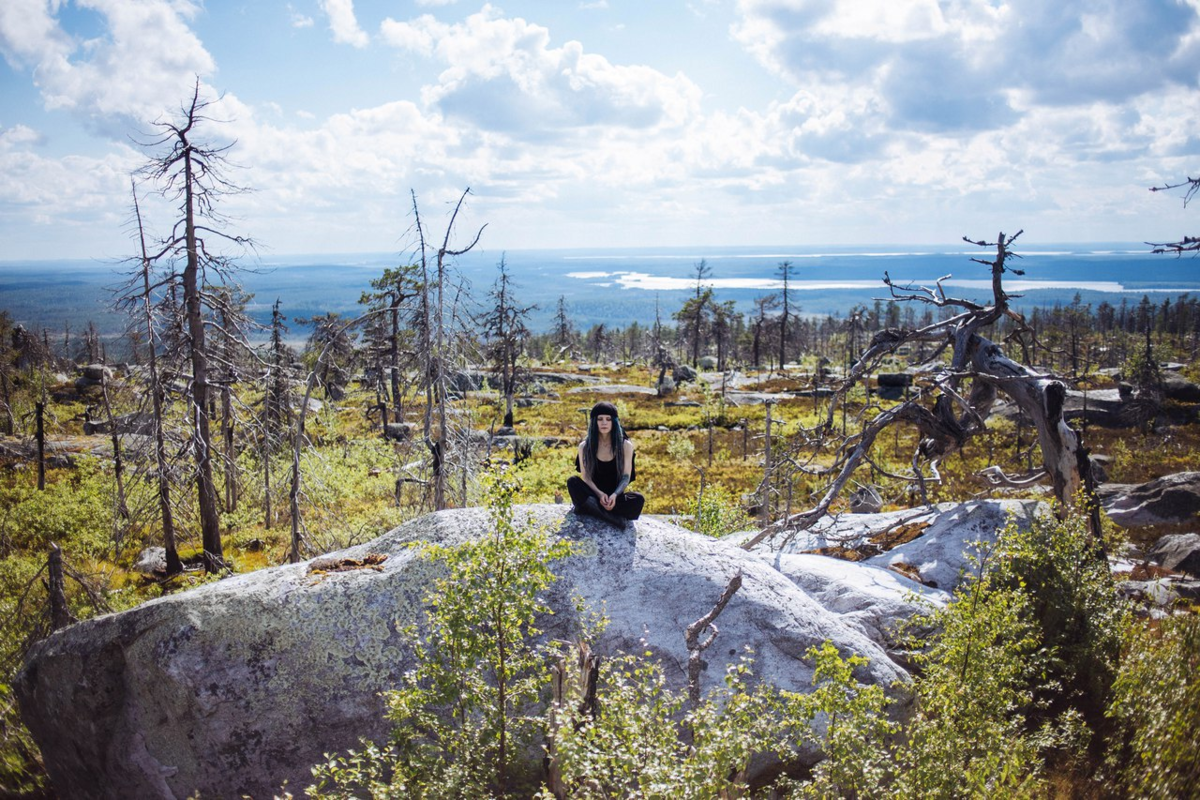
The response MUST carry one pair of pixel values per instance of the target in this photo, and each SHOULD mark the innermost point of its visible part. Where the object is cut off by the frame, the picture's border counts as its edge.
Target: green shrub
(1019, 668)
(465, 715)
(857, 761)
(1156, 711)
(75, 511)
(717, 512)
(649, 741)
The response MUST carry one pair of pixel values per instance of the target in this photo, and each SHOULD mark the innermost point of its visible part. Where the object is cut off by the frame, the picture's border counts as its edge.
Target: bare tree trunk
(765, 508)
(206, 490)
(231, 489)
(294, 495)
(118, 468)
(174, 565)
(40, 437)
(953, 419)
(60, 613)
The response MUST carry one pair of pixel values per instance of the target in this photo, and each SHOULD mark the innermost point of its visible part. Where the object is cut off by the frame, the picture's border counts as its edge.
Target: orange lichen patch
(369, 561)
(901, 534)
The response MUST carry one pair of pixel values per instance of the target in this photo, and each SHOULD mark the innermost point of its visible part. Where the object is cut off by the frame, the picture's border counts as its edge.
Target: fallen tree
(953, 407)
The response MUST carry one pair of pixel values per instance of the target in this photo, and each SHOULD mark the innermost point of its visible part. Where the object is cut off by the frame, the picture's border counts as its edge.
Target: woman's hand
(608, 501)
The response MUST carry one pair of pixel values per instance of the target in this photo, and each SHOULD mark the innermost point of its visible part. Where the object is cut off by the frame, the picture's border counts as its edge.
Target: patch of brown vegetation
(910, 572)
(898, 535)
(369, 561)
(844, 553)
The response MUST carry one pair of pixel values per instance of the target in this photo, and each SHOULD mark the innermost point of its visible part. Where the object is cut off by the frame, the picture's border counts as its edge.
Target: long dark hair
(591, 445)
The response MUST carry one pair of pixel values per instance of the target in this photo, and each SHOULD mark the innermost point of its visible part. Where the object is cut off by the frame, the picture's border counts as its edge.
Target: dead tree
(190, 173)
(696, 647)
(434, 335)
(138, 300)
(506, 327)
(1188, 244)
(955, 407)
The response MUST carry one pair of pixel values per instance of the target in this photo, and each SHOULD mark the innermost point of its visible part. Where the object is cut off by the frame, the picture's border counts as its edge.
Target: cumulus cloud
(502, 74)
(958, 65)
(343, 23)
(145, 61)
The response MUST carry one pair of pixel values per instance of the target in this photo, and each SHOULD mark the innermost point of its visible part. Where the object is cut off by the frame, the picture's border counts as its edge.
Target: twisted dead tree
(955, 406)
(1188, 244)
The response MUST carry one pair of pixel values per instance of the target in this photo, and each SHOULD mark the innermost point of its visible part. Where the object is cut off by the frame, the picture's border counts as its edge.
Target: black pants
(629, 505)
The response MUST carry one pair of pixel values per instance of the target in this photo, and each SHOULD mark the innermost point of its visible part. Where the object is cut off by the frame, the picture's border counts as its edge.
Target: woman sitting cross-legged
(606, 466)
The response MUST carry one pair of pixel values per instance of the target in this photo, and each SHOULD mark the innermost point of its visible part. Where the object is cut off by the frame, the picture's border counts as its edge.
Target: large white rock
(872, 600)
(932, 543)
(234, 687)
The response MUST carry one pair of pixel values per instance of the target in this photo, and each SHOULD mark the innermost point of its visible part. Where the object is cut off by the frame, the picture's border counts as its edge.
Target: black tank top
(607, 477)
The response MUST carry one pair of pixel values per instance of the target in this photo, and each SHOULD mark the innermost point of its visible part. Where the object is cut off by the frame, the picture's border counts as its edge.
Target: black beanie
(604, 407)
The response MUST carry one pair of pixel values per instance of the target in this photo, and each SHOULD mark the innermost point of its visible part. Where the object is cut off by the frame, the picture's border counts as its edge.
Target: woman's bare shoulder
(629, 445)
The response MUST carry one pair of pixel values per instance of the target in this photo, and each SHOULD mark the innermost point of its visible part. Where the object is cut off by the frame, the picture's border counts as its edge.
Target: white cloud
(147, 59)
(955, 65)
(299, 20)
(60, 198)
(502, 75)
(29, 33)
(343, 23)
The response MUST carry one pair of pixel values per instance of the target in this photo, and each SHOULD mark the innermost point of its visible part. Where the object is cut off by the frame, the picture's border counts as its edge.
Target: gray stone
(1177, 551)
(232, 688)
(151, 560)
(96, 372)
(1179, 388)
(399, 431)
(865, 500)
(1160, 593)
(682, 373)
(137, 423)
(1169, 500)
(874, 600)
(932, 545)
(611, 389)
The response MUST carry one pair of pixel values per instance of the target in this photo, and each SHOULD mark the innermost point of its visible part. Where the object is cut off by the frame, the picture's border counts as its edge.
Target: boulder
(1178, 551)
(96, 373)
(756, 398)
(873, 600)
(865, 500)
(1169, 500)
(682, 373)
(612, 388)
(893, 385)
(139, 423)
(930, 545)
(399, 431)
(151, 560)
(234, 687)
(1180, 389)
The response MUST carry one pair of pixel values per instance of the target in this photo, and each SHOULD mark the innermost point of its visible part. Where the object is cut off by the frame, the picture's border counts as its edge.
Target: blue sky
(610, 123)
